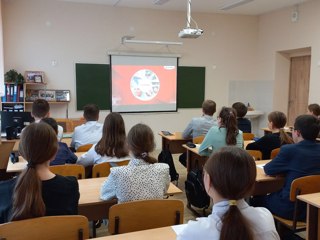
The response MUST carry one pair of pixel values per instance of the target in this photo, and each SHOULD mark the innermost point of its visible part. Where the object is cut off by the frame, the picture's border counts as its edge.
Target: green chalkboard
(93, 86)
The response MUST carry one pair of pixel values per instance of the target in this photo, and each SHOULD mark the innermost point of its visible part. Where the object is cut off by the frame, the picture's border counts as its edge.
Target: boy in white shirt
(89, 132)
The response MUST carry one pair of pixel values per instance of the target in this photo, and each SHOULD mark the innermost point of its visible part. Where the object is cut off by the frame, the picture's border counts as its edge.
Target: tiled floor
(188, 214)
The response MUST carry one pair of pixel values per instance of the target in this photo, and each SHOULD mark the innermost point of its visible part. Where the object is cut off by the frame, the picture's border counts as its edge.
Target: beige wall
(36, 32)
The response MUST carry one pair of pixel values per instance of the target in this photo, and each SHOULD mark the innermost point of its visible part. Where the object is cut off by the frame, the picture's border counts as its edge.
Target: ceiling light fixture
(129, 39)
(160, 2)
(234, 4)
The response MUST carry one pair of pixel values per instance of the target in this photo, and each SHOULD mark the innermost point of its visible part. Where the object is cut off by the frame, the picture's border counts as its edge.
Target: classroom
(246, 57)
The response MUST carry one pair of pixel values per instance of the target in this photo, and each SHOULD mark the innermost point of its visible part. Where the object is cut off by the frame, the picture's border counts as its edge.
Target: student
(111, 147)
(37, 191)
(244, 124)
(91, 131)
(229, 177)
(226, 133)
(199, 126)
(276, 122)
(314, 109)
(64, 154)
(293, 161)
(143, 178)
(41, 109)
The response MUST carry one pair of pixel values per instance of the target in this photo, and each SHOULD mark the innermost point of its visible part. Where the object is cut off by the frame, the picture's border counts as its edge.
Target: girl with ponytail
(143, 178)
(38, 192)
(225, 134)
(229, 177)
(276, 122)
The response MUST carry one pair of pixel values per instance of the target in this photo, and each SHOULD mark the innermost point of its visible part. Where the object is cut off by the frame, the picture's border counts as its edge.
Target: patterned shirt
(138, 180)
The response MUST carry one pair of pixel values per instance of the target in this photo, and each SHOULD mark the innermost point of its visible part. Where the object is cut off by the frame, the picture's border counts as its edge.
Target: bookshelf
(19, 97)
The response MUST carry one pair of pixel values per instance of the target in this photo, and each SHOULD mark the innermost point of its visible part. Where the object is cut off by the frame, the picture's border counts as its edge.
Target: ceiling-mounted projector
(189, 32)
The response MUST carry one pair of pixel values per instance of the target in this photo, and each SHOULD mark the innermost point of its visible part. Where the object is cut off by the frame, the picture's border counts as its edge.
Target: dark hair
(91, 112)
(314, 108)
(113, 141)
(141, 142)
(229, 121)
(232, 173)
(52, 122)
(40, 108)
(240, 108)
(209, 107)
(308, 126)
(38, 144)
(279, 120)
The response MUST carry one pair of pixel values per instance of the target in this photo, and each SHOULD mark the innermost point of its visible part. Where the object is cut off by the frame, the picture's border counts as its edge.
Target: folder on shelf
(15, 90)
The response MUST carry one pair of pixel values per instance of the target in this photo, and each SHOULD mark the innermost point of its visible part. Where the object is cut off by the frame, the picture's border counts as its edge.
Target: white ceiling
(255, 7)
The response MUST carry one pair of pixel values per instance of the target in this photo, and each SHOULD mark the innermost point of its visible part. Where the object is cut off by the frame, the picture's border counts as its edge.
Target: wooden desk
(19, 166)
(16, 145)
(313, 214)
(194, 160)
(174, 142)
(154, 234)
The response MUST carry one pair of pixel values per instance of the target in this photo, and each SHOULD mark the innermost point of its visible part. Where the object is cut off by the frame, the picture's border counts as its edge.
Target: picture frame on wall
(49, 95)
(62, 95)
(34, 76)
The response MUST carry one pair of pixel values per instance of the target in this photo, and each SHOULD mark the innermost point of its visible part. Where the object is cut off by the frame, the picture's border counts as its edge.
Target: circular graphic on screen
(144, 85)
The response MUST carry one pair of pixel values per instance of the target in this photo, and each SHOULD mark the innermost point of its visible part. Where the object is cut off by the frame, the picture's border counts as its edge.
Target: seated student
(41, 109)
(276, 122)
(37, 191)
(244, 124)
(143, 178)
(294, 161)
(199, 126)
(229, 177)
(314, 109)
(91, 131)
(64, 154)
(226, 133)
(111, 147)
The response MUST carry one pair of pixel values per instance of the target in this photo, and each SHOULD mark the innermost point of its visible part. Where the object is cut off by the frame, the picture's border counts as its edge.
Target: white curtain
(1, 56)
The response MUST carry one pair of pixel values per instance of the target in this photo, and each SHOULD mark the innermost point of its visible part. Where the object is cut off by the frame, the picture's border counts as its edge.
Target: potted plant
(12, 76)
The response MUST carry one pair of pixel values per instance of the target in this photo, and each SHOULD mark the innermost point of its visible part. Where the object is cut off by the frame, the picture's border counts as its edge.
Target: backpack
(195, 191)
(165, 156)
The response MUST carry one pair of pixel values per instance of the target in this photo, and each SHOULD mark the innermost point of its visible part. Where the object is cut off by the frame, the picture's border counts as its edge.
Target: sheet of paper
(260, 165)
(178, 228)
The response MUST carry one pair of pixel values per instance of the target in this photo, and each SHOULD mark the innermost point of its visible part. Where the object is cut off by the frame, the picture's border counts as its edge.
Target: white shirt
(208, 228)
(88, 133)
(138, 180)
(92, 157)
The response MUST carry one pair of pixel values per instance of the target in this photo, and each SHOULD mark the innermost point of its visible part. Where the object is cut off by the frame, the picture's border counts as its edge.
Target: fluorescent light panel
(128, 39)
(234, 4)
(160, 2)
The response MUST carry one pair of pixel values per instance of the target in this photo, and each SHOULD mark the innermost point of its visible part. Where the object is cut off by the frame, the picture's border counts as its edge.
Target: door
(298, 87)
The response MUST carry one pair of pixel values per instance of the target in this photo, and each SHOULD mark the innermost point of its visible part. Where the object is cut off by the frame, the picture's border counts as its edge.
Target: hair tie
(144, 154)
(232, 202)
(30, 165)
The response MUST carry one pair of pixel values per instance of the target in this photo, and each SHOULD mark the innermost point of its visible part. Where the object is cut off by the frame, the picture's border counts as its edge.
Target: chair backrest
(304, 185)
(66, 124)
(77, 122)
(5, 150)
(103, 169)
(50, 228)
(198, 140)
(247, 136)
(274, 153)
(145, 214)
(75, 170)
(84, 148)
(256, 154)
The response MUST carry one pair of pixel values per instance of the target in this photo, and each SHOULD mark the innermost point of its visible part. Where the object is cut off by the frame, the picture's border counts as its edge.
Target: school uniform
(199, 126)
(64, 155)
(244, 125)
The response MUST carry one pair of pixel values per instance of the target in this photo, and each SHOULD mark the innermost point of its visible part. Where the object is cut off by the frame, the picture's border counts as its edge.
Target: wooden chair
(75, 170)
(5, 150)
(256, 154)
(66, 124)
(84, 148)
(103, 169)
(77, 122)
(274, 153)
(303, 185)
(198, 140)
(247, 136)
(145, 214)
(49, 228)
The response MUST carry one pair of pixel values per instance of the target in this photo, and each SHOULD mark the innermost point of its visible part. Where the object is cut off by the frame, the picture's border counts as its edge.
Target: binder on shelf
(15, 90)
(21, 97)
(8, 92)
